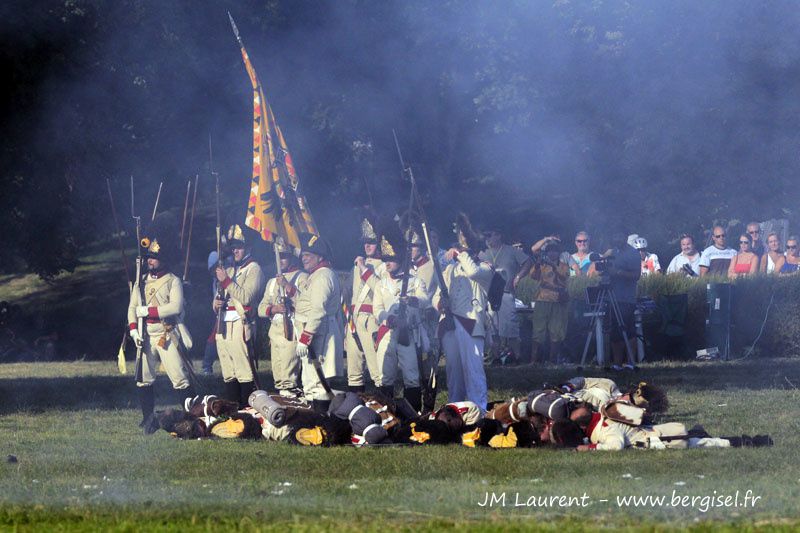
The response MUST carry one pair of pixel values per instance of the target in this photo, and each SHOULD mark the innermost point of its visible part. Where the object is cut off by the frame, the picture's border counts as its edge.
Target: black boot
(356, 388)
(762, 440)
(147, 402)
(414, 396)
(736, 442)
(320, 406)
(233, 391)
(244, 396)
(740, 441)
(387, 391)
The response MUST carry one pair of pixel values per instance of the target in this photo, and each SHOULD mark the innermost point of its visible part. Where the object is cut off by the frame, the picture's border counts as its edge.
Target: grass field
(83, 464)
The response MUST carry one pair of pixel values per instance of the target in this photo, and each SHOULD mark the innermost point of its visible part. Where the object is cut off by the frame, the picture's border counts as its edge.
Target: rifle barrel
(119, 232)
(191, 226)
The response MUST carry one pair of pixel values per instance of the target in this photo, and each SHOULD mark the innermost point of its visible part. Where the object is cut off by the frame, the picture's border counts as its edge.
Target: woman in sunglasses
(773, 260)
(792, 257)
(745, 262)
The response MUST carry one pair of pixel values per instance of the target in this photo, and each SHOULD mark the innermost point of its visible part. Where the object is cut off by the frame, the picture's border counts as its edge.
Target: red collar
(321, 264)
(421, 261)
(593, 424)
(397, 275)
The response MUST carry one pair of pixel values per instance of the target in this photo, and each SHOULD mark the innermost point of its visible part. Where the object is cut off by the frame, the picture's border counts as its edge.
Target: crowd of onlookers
(623, 264)
(753, 255)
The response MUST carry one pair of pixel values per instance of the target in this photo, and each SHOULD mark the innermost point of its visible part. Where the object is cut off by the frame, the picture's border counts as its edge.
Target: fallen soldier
(599, 391)
(619, 425)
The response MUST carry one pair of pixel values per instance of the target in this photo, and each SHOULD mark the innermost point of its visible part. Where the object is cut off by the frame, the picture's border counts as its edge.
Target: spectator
(579, 264)
(773, 260)
(624, 270)
(754, 230)
(650, 264)
(745, 262)
(792, 257)
(506, 261)
(688, 261)
(716, 259)
(551, 311)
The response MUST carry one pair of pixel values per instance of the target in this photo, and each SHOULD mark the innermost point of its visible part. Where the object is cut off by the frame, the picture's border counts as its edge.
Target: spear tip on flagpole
(235, 29)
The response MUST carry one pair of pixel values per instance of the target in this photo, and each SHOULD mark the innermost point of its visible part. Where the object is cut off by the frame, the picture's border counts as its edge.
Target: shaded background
(536, 116)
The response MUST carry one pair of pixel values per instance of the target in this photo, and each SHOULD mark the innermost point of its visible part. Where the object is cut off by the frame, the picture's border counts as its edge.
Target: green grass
(82, 463)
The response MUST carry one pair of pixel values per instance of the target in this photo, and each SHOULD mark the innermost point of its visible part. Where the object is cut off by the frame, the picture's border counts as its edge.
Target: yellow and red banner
(276, 206)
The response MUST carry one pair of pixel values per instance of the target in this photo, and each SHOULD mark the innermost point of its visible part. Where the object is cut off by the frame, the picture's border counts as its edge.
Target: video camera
(601, 263)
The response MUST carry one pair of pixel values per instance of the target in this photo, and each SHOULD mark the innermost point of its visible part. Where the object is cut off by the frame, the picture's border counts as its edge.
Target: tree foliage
(542, 116)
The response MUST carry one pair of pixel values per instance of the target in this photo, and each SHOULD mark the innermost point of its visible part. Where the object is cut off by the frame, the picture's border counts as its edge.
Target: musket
(158, 197)
(219, 325)
(121, 364)
(185, 209)
(191, 227)
(403, 336)
(288, 330)
(142, 300)
(447, 323)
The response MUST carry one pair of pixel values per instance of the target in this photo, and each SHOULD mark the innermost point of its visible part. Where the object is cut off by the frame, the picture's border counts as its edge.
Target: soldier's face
(580, 415)
(285, 262)
(416, 252)
(238, 254)
(392, 266)
(370, 249)
(310, 260)
(153, 264)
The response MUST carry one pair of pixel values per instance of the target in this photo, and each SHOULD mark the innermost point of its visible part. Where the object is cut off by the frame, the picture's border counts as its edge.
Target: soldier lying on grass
(619, 425)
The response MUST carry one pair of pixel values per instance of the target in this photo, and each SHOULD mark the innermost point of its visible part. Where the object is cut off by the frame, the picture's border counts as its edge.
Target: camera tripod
(605, 299)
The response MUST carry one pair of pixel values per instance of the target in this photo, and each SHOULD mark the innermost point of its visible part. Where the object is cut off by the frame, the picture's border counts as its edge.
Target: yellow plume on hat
(368, 232)
(387, 250)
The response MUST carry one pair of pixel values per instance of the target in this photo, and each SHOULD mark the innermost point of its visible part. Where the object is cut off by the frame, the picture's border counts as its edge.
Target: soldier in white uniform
(278, 305)
(400, 333)
(619, 426)
(362, 327)
(467, 281)
(242, 285)
(164, 336)
(316, 317)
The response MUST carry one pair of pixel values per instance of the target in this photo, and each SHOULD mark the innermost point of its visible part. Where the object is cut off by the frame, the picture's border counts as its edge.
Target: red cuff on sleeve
(593, 446)
(152, 312)
(305, 338)
(268, 311)
(133, 326)
(291, 290)
(366, 274)
(224, 284)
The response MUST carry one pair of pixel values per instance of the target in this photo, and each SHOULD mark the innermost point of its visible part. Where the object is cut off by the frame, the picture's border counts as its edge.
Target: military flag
(276, 206)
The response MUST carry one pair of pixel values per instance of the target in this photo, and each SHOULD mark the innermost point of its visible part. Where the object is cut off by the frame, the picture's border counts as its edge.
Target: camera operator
(623, 269)
(551, 312)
